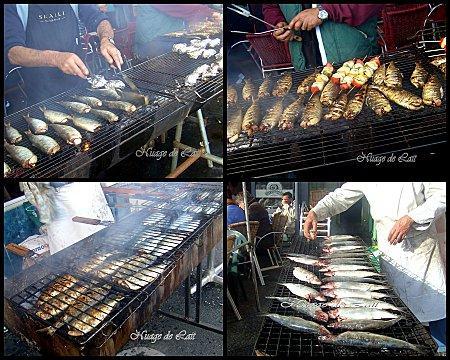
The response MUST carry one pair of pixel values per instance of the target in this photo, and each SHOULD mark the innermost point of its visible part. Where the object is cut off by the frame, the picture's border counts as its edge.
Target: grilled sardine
(249, 90)
(252, 118)
(305, 85)
(121, 105)
(68, 133)
(86, 123)
(44, 143)
(55, 117)
(377, 102)
(133, 97)
(329, 93)
(234, 125)
(37, 126)
(283, 85)
(264, 89)
(89, 100)
(313, 112)
(419, 76)
(432, 92)
(232, 96)
(107, 93)
(22, 155)
(12, 134)
(355, 104)
(379, 75)
(401, 97)
(394, 77)
(105, 114)
(291, 114)
(337, 109)
(78, 107)
(273, 116)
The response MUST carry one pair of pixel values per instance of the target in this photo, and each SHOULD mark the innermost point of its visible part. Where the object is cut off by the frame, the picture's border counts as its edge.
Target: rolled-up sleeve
(91, 16)
(14, 32)
(338, 201)
(433, 207)
(272, 14)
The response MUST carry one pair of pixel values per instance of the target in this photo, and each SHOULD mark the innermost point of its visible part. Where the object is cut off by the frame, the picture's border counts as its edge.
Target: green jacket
(341, 41)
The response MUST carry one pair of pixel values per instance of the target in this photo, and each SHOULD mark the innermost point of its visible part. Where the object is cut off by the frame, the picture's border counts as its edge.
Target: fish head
(333, 314)
(329, 285)
(321, 316)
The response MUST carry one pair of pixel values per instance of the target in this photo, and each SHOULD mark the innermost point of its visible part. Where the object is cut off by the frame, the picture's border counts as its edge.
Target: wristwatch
(323, 14)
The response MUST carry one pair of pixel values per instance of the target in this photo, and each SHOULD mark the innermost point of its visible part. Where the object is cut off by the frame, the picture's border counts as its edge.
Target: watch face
(322, 15)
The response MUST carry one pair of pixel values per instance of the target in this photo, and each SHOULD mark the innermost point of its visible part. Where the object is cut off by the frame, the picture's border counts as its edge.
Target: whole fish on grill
(341, 243)
(291, 114)
(305, 275)
(21, 155)
(377, 102)
(234, 125)
(340, 237)
(361, 325)
(313, 112)
(432, 92)
(249, 90)
(272, 117)
(369, 340)
(303, 307)
(115, 84)
(337, 109)
(283, 85)
(329, 93)
(298, 324)
(346, 293)
(55, 117)
(419, 76)
(346, 261)
(303, 259)
(337, 248)
(356, 273)
(353, 279)
(394, 77)
(89, 100)
(349, 267)
(379, 75)
(121, 105)
(44, 143)
(6, 169)
(439, 60)
(68, 133)
(361, 313)
(355, 104)
(305, 85)
(12, 134)
(264, 88)
(232, 96)
(134, 97)
(304, 291)
(353, 285)
(361, 302)
(105, 114)
(252, 118)
(401, 97)
(86, 123)
(37, 126)
(106, 93)
(60, 284)
(75, 106)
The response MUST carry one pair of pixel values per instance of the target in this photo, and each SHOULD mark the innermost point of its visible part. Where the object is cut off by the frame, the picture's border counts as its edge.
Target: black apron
(51, 27)
(310, 45)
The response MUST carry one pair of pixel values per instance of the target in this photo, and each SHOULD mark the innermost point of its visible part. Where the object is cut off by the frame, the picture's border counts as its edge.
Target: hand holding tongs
(244, 12)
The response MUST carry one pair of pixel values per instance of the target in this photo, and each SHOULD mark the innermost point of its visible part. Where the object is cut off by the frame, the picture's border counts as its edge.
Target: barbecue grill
(332, 142)
(133, 246)
(276, 340)
(161, 78)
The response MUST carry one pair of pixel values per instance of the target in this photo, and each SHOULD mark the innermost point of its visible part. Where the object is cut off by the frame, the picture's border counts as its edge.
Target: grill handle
(89, 221)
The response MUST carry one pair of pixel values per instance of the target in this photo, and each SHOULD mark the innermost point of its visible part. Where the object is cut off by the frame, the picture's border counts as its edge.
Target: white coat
(415, 267)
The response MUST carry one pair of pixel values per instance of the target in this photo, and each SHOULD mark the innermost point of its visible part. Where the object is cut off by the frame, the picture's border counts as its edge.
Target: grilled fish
(352, 279)
(298, 324)
(291, 113)
(377, 102)
(363, 324)
(86, 123)
(115, 84)
(443, 68)
(345, 255)
(304, 291)
(37, 126)
(234, 125)
(355, 105)
(305, 275)
(432, 92)
(89, 100)
(232, 95)
(356, 273)
(401, 97)
(360, 313)
(337, 248)
(252, 118)
(303, 259)
(353, 285)
(303, 307)
(337, 109)
(249, 90)
(75, 106)
(349, 267)
(107, 93)
(121, 105)
(68, 133)
(6, 169)
(394, 77)
(438, 60)
(55, 117)
(419, 76)
(264, 89)
(313, 112)
(105, 114)
(60, 284)
(305, 85)
(329, 93)
(340, 237)
(379, 75)
(347, 293)
(283, 85)
(12, 134)
(44, 143)
(22, 155)
(273, 116)
(341, 243)
(134, 97)
(369, 340)
(340, 261)
(361, 302)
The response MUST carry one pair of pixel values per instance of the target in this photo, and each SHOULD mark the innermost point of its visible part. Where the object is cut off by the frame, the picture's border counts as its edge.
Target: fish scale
(264, 89)
(313, 112)
(44, 143)
(432, 92)
(252, 117)
(272, 117)
(379, 75)
(24, 156)
(36, 125)
(393, 77)
(12, 134)
(377, 102)
(355, 104)
(283, 85)
(419, 76)
(234, 125)
(329, 93)
(401, 97)
(291, 113)
(305, 85)
(249, 90)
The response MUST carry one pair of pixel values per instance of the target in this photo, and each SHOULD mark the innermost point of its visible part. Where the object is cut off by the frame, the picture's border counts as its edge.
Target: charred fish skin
(89, 100)
(264, 89)
(379, 75)
(86, 123)
(337, 109)
(283, 85)
(249, 90)
(394, 77)
(313, 112)
(291, 114)
(232, 95)
(44, 143)
(252, 118)
(12, 134)
(305, 85)
(234, 125)
(432, 92)
(105, 114)
(419, 76)
(22, 155)
(78, 107)
(37, 126)
(121, 105)
(303, 307)
(55, 117)
(329, 93)
(401, 97)
(273, 116)
(377, 102)
(68, 133)
(355, 104)
(298, 324)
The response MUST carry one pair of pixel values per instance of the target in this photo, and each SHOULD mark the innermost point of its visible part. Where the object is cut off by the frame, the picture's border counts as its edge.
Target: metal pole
(175, 150)
(199, 293)
(201, 124)
(297, 210)
(187, 286)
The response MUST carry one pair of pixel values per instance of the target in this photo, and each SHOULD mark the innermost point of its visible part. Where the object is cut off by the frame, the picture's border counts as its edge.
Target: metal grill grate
(277, 340)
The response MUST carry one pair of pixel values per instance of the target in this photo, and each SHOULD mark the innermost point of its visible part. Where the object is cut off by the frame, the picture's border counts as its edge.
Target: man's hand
(310, 226)
(283, 34)
(400, 229)
(306, 20)
(111, 53)
(70, 63)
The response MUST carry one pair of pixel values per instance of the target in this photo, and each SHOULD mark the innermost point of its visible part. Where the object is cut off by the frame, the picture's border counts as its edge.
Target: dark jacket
(257, 212)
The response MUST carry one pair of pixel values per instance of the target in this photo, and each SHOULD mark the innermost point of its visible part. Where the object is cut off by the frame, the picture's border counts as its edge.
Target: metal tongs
(244, 12)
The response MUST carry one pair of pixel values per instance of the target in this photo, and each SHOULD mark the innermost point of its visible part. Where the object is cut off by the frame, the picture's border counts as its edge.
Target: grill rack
(340, 141)
(276, 340)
